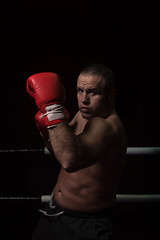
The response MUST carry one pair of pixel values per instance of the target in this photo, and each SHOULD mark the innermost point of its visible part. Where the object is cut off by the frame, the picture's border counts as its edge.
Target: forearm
(67, 147)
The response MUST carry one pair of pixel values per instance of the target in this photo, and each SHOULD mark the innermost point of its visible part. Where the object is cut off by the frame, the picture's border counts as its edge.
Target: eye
(79, 90)
(93, 92)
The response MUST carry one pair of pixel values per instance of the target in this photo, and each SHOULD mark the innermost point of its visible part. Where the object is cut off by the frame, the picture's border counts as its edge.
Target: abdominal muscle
(90, 189)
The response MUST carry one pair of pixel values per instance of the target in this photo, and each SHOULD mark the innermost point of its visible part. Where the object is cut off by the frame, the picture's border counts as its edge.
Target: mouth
(85, 110)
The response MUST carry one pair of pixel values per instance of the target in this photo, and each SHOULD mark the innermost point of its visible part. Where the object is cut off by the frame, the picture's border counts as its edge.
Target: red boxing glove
(49, 94)
(41, 125)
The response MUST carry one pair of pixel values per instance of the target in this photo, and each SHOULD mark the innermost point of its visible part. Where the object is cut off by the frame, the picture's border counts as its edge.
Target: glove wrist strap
(54, 115)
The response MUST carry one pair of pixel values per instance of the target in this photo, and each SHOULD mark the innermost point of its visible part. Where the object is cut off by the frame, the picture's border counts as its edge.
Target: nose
(85, 98)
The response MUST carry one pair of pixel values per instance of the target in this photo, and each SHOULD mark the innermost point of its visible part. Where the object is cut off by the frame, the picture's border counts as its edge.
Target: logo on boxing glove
(55, 111)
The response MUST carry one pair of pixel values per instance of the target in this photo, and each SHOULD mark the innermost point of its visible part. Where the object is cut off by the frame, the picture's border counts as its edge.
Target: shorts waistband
(104, 213)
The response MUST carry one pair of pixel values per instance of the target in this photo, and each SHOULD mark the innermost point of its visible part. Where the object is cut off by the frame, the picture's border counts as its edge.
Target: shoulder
(110, 127)
(98, 123)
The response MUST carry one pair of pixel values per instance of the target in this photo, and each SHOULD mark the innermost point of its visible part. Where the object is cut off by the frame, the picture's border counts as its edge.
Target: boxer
(91, 150)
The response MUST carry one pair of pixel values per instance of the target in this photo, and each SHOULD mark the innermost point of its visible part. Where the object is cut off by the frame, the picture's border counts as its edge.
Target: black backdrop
(63, 36)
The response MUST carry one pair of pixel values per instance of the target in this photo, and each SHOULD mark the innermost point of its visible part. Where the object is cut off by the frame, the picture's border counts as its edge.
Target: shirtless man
(92, 151)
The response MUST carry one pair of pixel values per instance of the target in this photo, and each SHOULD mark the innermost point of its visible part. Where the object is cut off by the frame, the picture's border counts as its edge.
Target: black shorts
(57, 223)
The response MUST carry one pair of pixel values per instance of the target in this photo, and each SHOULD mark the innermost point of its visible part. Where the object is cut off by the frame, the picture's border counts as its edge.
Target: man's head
(95, 91)
(102, 71)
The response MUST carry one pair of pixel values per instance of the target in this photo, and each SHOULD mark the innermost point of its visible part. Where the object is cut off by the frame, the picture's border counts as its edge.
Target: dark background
(64, 36)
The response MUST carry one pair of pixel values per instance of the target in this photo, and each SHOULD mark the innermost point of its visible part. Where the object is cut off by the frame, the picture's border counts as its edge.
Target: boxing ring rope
(143, 151)
(130, 151)
(121, 198)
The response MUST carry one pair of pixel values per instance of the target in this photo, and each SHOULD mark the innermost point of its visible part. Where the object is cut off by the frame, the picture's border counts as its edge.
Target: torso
(93, 188)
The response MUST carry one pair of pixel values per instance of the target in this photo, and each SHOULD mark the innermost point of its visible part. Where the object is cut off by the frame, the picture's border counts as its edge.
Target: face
(92, 101)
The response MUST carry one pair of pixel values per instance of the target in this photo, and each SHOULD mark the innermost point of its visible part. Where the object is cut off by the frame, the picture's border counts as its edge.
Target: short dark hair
(102, 71)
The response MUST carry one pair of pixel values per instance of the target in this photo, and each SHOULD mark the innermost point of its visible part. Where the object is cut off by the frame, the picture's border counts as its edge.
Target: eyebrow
(92, 89)
(89, 89)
